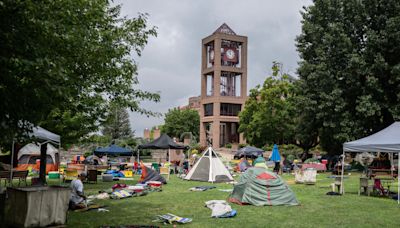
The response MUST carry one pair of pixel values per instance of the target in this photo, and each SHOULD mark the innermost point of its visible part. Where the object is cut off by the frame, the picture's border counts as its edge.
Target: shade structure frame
(386, 141)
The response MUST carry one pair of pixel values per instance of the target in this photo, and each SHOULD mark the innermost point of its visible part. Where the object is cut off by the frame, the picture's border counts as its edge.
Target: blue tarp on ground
(113, 150)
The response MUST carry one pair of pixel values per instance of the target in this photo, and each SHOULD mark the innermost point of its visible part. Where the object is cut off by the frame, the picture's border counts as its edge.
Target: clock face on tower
(230, 54)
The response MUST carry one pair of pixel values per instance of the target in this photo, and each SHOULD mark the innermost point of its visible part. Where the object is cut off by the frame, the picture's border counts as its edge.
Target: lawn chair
(21, 176)
(92, 176)
(337, 185)
(378, 187)
(365, 187)
(310, 176)
(5, 175)
(165, 171)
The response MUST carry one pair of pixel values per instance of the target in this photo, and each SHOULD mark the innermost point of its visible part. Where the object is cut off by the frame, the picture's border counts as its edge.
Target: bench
(20, 175)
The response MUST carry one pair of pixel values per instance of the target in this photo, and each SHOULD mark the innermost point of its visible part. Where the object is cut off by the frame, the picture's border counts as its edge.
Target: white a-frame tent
(209, 168)
(386, 140)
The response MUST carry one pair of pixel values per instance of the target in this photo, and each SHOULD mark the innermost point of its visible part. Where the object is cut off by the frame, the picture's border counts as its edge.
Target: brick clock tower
(223, 87)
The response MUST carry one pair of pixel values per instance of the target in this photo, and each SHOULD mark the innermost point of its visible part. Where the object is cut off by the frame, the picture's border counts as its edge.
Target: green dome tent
(260, 187)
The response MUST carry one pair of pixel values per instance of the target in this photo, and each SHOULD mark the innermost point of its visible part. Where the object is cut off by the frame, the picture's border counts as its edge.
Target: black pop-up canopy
(163, 142)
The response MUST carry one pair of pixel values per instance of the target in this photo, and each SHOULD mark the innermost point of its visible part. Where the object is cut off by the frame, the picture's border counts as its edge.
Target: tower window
(230, 109)
(208, 109)
(230, 84)
(209, 85)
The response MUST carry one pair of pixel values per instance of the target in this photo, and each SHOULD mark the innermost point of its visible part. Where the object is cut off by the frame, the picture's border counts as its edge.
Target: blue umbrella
(276, 157)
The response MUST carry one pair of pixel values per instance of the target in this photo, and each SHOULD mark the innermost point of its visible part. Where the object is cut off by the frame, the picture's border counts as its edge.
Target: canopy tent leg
(398, 178)
(169, 161)
(43, 162)
(342, 175)
(12, 161)
(188, 158)
(210, 177)
(391, 164)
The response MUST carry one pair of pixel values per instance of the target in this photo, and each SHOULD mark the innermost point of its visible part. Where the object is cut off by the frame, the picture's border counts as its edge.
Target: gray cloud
(170, 62)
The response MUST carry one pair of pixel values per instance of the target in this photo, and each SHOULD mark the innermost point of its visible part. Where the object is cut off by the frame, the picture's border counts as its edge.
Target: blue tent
(276, 157)
(113, 150)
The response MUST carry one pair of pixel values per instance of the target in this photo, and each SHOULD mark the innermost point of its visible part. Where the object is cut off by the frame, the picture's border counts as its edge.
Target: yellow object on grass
(128, 173)
(261, 164)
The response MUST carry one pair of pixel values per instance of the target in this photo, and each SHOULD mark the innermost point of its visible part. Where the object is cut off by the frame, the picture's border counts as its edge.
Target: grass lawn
(316, 209)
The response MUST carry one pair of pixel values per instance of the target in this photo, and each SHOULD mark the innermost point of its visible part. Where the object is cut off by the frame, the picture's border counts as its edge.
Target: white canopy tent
(45, 135)
(386, 140)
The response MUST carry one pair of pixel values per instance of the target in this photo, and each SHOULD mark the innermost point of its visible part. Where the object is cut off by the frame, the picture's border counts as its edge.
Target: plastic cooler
(136, 188)
(107, 177)
(54, 175)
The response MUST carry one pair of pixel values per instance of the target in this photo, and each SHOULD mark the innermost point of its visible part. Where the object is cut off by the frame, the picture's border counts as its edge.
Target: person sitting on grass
(77, 199)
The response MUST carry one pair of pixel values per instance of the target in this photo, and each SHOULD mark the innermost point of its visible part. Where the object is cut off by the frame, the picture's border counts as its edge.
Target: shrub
(241, 145)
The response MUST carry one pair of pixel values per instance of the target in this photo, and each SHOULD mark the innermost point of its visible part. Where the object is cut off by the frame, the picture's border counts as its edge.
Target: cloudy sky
(170, 63)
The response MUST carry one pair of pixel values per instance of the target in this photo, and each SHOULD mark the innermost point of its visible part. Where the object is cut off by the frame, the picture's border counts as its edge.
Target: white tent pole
(398, 178)
(391, 155)
(341, 179)
(210, 150)
(12, 162)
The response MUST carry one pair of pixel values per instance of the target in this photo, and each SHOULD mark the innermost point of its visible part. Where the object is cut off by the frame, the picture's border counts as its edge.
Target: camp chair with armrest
(92, 176)
(378, 187)
(21, 176)
(165, 171)
(337, 184)
(5, 175)
(365, 187)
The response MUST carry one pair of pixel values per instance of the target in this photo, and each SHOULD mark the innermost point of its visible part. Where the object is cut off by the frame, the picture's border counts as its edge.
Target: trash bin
(37, 206)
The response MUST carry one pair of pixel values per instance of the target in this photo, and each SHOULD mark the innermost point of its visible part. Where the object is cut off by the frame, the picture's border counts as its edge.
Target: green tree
(62, 63)
(179, 121)
(350, 68)
(268, 115)
(117, 124)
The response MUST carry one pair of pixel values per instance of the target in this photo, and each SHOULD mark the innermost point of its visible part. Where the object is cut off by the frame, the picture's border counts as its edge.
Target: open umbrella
(276, 157)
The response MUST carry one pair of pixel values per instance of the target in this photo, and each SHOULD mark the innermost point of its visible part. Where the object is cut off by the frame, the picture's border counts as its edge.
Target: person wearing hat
(77, 199)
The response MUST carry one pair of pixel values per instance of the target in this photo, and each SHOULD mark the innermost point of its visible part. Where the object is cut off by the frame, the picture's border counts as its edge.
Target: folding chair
(165, 171)
(337, 184)
(364, 186)
(379, 187)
